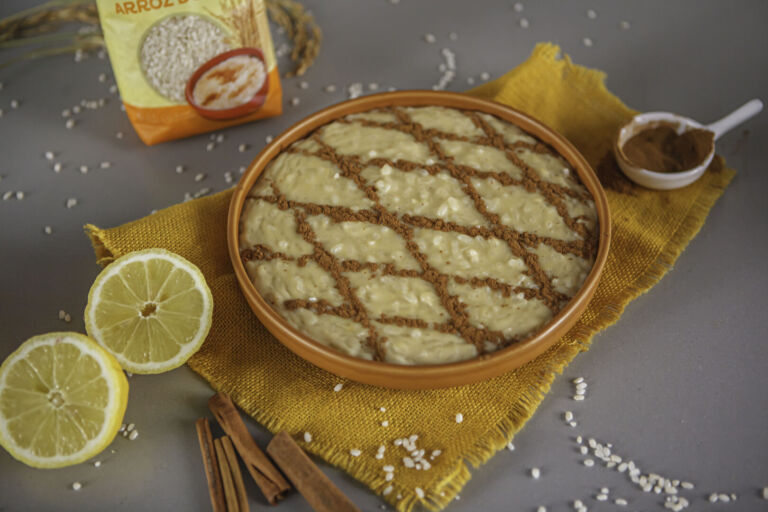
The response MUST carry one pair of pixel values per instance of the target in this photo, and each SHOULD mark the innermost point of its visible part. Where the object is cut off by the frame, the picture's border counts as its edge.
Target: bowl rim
(419, 376)
(241, 110)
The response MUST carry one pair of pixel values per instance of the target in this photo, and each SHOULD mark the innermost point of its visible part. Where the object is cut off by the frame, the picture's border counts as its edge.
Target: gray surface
(679, 384)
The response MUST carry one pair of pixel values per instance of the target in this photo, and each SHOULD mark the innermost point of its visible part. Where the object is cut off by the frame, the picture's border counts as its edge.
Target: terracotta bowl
(422, 376)
(244, 109)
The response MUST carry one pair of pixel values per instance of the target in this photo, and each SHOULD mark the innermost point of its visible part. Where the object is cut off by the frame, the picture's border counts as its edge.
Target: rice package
(185, 67)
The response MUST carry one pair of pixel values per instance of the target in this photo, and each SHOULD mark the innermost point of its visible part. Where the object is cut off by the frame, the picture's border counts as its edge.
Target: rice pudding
(230, 83)
(418, 235)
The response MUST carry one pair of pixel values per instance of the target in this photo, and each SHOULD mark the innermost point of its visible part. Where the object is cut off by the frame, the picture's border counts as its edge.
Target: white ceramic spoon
(670, 180)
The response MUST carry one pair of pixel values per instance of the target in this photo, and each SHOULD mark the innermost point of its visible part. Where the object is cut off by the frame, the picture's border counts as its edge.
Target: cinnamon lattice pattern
(482, 193)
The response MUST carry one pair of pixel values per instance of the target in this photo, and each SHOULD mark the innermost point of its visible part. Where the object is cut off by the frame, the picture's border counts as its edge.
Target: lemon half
(151, 309)
(62, 400)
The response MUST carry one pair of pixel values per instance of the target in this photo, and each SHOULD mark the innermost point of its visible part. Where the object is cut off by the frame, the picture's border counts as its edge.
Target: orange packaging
(185, 67)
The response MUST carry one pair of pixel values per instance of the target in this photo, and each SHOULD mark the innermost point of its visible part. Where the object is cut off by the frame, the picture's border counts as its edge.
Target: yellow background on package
(124, 34)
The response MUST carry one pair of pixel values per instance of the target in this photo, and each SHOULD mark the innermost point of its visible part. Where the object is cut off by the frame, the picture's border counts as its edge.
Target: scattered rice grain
(355, 90)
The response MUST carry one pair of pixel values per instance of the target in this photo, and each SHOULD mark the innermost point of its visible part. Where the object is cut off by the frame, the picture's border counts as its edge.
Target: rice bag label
(191, 66)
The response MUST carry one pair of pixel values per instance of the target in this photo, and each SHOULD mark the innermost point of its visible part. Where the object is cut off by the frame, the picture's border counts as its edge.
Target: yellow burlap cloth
(283, 392)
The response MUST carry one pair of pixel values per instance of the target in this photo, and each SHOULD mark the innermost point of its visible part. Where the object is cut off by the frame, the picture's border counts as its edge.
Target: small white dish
(671, 180)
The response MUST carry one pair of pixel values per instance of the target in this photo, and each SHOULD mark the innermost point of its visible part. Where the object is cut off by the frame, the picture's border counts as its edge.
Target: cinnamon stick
(321, 494)
(264, 473)
(212, 474)
(230, 495)
(237, 475)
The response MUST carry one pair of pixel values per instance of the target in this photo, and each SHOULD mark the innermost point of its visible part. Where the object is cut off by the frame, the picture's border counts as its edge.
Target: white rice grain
(175, 47)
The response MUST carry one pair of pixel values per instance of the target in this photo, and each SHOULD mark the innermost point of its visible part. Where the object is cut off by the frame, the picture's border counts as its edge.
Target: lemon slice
(151, 309)
(62, 400)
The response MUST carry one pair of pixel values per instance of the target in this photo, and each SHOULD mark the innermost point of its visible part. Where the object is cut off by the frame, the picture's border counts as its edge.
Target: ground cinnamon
(660, 148)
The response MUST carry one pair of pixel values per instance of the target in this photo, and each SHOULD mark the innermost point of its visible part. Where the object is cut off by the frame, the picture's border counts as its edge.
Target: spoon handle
(735, 118)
